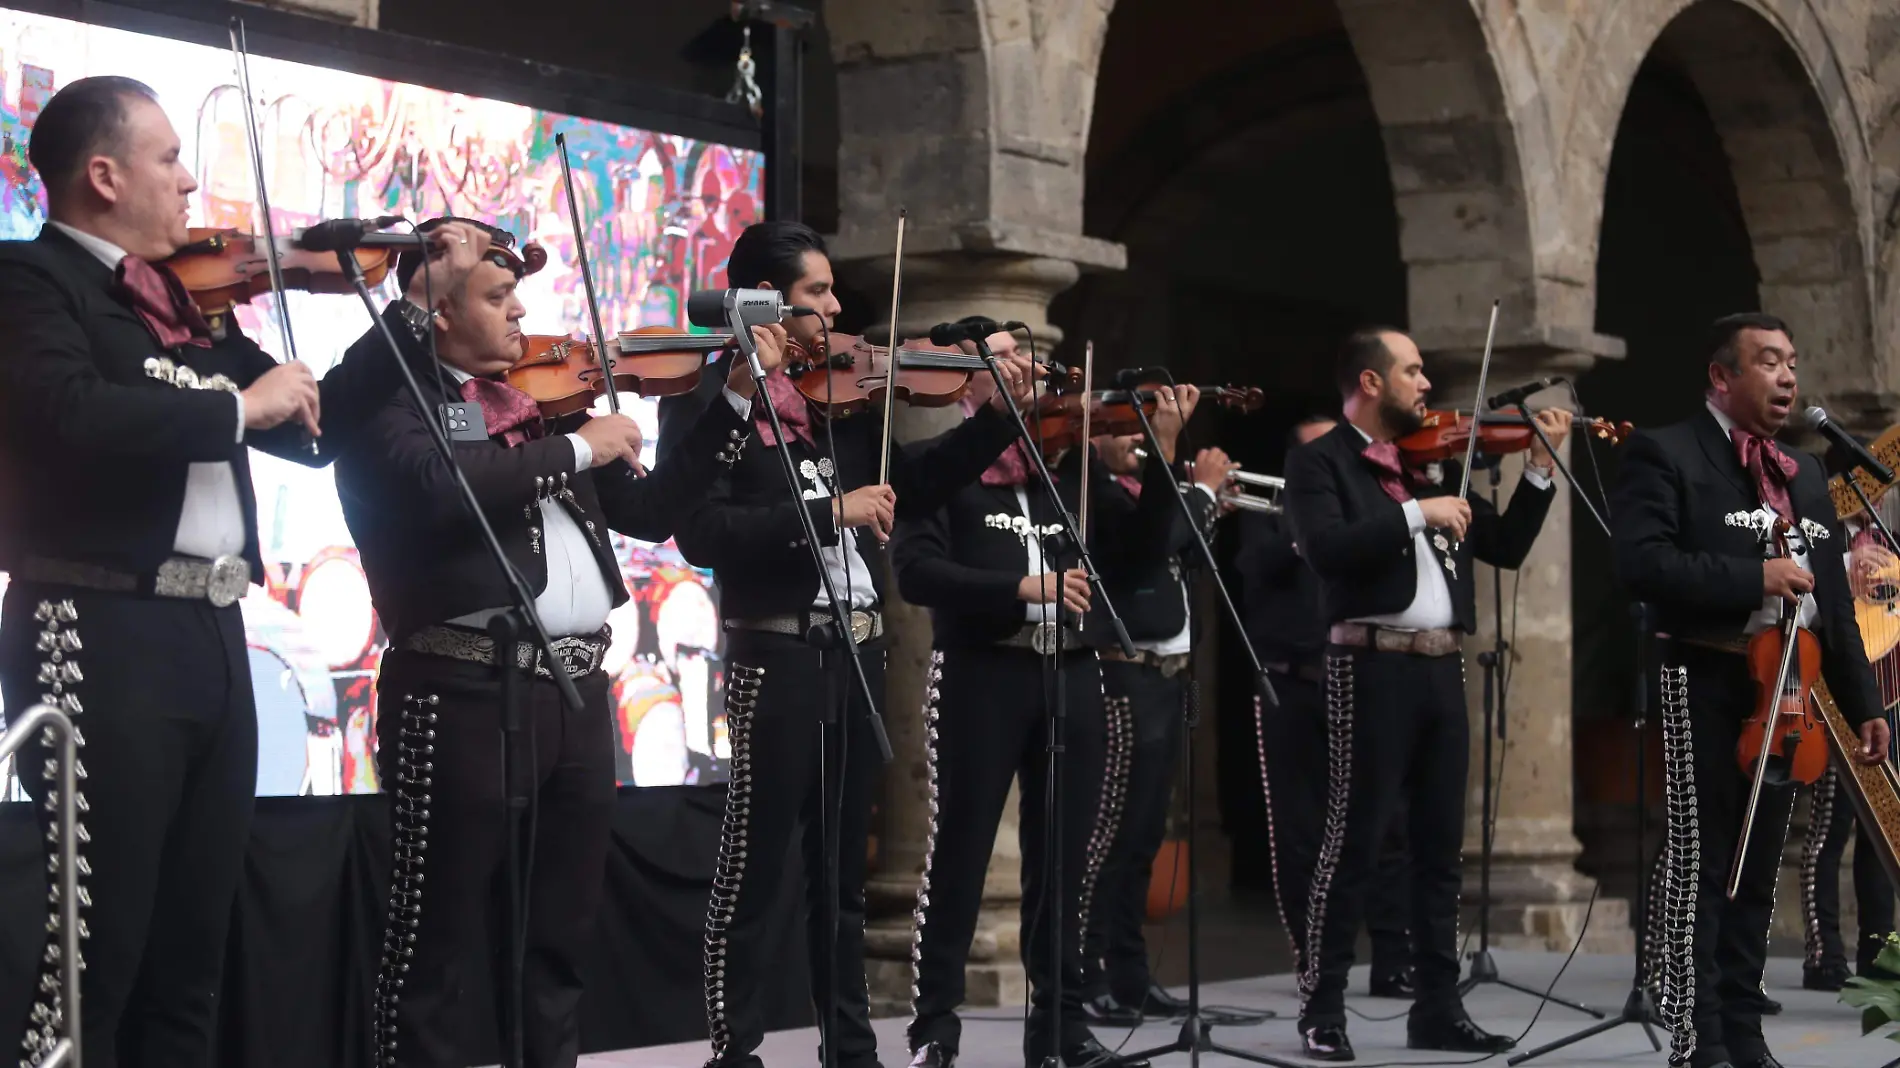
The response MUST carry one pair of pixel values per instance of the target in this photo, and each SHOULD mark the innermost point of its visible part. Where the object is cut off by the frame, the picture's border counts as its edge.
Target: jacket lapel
(1721, 453)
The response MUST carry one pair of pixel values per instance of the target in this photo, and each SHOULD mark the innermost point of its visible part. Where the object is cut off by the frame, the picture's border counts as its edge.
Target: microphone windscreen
(946, 334)
(1815, 417)
(707, 307)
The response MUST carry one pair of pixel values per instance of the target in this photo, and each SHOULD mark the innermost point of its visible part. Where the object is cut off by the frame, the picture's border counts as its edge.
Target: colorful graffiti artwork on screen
(661, 213)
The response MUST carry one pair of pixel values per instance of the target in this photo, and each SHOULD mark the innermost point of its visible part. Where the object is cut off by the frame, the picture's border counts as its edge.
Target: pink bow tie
(1772, 470)
(512, 415)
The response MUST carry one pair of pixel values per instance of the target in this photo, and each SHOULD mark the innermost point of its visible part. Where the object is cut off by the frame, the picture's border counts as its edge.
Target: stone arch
(1467, 143)
(1774, 85)
(972, 114)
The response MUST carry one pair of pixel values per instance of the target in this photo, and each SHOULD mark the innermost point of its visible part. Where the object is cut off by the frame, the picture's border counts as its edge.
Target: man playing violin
(1692, 504)
(551, 500)
(1144, 697)
(990, 567)
(130, 533)
(793, 707)
(1393, 548)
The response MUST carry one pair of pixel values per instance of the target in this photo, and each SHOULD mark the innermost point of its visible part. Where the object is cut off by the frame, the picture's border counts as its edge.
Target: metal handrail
(65, 1052)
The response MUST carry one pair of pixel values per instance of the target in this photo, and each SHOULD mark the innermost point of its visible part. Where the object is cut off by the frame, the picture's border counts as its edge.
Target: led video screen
(660, 212)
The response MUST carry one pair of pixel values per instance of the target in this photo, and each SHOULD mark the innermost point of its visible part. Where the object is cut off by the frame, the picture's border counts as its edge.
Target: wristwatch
(415, 316)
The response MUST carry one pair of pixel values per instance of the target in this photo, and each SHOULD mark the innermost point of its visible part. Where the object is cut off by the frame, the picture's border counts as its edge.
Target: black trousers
(1831, 822)
(1396, 737)
(987, 726)
(1294, 772)
(170, 755)
(1714, 948)
(1143, 711)
(778, 692)
(439, 756)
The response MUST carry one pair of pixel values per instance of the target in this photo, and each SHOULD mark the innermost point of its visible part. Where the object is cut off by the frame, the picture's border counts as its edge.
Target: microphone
(1130, 377)
(336, 235)
(716, 308)
(1518, 394)
(1817, 420)
(951, 333)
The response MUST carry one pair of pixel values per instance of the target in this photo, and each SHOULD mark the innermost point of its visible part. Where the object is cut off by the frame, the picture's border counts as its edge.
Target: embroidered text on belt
(1041, 637)
(864, 625)
(221, 581)
(1439, 641)
(1169, 664)
(578, 656)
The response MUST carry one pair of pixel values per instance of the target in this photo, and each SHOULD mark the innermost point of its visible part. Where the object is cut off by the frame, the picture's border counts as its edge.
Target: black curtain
(307, 930)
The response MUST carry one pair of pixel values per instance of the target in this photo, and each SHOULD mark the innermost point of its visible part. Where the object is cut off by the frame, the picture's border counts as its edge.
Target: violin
(564, 375)
(851, 372)
(1443, 435)
(222, 268)
(1784, 740)
(1058, 418)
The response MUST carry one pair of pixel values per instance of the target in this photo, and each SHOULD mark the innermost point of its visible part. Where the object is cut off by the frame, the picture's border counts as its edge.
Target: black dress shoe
(1766, 1060)
(1829, 975)
(1161, 1005)
(1396, 984)
(1453, 1032)
(933, 1055)
(1326, 1042)
(1106, 1009)
(1770, 1007)
(1090, 1053)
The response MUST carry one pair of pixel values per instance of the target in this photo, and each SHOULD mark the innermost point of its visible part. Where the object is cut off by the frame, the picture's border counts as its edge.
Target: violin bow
(890, 369)
(241, 57)
(1088, 403)
(1477, 405)
(587, 278)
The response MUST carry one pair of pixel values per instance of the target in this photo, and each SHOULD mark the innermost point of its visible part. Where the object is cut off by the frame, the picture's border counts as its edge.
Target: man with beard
(1288, 631)
(1695, 506)
(1393, 548)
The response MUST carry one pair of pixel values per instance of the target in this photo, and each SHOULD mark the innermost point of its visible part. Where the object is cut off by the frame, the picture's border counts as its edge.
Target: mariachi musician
(551, 499)
(1144, 699)
(787, 672)
(1832, 821)
(130, 534)
(1288, 630)
(1692, 503)
(979, 565)
(1393, 551)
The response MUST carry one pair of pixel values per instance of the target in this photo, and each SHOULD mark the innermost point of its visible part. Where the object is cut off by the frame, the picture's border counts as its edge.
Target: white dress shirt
(843, 562)
(1770, 612)
(1431, 607)
(1184, 640)
(1032, 544)
(211, 523)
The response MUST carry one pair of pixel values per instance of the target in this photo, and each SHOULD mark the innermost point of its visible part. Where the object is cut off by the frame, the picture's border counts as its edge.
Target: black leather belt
(191, 578)
(866, 625)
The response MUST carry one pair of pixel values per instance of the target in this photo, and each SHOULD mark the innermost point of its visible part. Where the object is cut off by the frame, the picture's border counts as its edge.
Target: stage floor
(1814, 1031)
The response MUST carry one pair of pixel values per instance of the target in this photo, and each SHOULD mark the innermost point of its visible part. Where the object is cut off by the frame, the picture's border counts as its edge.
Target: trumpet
(1235, 491)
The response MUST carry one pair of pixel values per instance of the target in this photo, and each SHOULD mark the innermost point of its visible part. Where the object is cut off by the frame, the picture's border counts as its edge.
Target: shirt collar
(105, 251)
(1721, 419)
(456, 373)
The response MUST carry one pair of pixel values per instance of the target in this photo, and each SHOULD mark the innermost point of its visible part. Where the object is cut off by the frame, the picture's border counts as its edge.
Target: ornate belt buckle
(227, 579)
(860, 626)
(1043, 638)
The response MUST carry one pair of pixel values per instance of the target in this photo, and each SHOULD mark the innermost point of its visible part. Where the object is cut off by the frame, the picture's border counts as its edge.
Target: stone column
(1539, 898)
(939, 287)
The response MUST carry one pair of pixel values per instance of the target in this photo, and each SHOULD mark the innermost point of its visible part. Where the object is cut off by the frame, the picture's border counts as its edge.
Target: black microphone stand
(513, 722)
(841, 622)
(1639, 1007)
(1484, 967)
(1053, 549)
(1196, 1035)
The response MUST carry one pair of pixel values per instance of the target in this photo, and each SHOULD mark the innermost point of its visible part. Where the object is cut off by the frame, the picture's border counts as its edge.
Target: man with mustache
(1394, 550)
(1694, 507)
